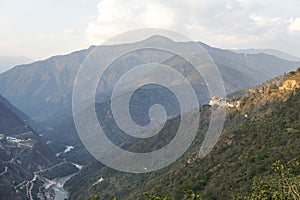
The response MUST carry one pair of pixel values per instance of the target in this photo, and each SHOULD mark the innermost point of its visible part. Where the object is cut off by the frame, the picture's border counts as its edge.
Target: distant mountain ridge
(43, 89)
(272, 52)
(8, 62)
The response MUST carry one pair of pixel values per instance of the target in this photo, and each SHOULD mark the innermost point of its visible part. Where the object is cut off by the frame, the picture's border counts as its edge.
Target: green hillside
(263, 129)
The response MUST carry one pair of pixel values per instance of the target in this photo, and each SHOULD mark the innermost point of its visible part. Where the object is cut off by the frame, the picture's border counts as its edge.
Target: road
(30, 184)
(5, 171)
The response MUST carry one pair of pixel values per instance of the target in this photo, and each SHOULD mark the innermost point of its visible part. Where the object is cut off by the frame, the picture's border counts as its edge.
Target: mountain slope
(7, 63)
(272, 52)
(43, 90)
(22, 152)
(263, 129)
(19, 113)
(38, 87)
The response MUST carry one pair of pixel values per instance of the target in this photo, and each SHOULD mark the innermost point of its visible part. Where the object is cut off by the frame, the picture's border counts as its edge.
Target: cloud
(116, 16)
(65, 33)
(295, 25)
(229, 23)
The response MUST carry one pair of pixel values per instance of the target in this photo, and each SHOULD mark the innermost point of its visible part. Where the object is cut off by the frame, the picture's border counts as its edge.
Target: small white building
(217, 101)
(222, 102)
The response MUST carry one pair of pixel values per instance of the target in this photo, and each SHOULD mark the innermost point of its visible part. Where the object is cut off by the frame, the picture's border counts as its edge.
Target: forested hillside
(264, 128)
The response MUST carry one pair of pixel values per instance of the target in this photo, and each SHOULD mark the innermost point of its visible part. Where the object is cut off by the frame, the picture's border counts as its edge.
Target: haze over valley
(164, 100)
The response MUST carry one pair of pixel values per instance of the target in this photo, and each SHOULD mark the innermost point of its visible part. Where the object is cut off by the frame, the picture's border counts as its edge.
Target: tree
(281, 184)
(96, 197)
(188, 195)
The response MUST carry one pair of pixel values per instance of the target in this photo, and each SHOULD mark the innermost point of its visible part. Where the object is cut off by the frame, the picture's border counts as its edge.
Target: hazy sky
(40, 28)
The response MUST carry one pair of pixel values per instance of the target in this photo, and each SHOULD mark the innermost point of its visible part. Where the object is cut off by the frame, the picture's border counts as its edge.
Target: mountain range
(39, 141)
(273, 52)
(43, 89)
(8, 62)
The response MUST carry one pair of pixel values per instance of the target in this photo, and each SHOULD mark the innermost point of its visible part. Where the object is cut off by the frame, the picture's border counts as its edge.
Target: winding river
(58, 183)
(59, 191)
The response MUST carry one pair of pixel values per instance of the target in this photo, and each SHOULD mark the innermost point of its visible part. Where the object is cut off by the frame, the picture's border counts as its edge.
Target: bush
(281, 184)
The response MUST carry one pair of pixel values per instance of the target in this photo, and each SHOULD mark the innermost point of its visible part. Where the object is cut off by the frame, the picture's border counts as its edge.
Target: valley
(43, 157)
(150, 100)
(29, 165)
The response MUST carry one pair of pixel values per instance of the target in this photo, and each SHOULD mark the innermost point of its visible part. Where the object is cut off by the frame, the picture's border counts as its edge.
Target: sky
(39, 29)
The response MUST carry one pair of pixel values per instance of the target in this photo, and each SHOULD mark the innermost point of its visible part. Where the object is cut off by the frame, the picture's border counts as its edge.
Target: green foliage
(148, 196)
(188, 195)
(240, 161)
(281, 184)
(274, 87)
(96, 197)
(248, 148)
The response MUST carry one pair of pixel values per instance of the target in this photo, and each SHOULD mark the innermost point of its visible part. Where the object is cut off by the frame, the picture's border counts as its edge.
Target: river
(58, 183)
(59, 191)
